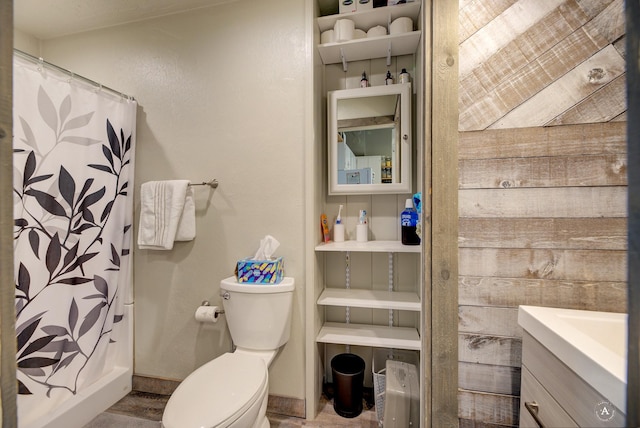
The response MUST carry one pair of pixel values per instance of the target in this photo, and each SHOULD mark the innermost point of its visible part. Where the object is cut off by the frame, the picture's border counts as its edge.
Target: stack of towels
(167, 214)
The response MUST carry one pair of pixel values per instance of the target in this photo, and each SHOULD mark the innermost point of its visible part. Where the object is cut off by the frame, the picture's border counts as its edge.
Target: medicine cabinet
(369, 136)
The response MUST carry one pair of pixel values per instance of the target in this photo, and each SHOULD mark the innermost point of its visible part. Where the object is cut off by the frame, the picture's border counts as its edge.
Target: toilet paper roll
(208, 314)
(377, 31)
(401, 25)
(362, 233)
(343, 30)
(327, 37)
(359, 34)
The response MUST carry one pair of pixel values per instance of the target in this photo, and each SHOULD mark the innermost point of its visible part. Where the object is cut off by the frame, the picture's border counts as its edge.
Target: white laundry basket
(378, 367)
(402, 395)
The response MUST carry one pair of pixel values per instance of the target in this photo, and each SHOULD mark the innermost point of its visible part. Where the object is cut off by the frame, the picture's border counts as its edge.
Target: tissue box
(260, 271)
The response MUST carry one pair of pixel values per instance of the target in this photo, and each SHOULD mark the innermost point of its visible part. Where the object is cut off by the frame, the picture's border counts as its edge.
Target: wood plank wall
(8, 388)
(542, 181)
(545, 225)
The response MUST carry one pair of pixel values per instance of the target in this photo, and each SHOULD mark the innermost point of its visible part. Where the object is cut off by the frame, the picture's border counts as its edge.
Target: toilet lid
(219, 391)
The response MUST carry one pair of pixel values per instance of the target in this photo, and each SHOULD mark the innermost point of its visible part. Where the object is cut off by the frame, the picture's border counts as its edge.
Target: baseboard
(286, 406)
(154, 385)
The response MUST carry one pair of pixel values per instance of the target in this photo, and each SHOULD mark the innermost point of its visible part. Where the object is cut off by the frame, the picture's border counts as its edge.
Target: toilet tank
(258, 315)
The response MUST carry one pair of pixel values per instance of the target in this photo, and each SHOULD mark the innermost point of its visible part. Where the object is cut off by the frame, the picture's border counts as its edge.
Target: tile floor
(144, 410)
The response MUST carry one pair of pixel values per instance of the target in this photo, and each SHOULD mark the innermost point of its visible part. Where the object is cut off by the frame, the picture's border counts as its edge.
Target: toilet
(232, 390)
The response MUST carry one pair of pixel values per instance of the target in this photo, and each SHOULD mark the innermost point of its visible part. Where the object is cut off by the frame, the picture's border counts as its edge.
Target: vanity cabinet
(371, 47)
(370, 335)
(552, 395)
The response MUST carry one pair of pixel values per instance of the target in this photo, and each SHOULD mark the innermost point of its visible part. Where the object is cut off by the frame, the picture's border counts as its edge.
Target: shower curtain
(72, 190)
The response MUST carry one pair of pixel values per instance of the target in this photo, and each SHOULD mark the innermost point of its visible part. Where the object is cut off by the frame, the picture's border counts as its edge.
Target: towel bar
(213, 183)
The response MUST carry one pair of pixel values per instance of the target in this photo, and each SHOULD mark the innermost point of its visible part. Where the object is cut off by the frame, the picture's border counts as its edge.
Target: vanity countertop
(593, 344)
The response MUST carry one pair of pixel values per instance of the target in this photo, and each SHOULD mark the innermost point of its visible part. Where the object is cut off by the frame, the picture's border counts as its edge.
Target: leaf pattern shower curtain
(73, 179)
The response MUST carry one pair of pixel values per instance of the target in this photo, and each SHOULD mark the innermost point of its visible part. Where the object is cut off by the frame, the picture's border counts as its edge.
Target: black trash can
(348, 376)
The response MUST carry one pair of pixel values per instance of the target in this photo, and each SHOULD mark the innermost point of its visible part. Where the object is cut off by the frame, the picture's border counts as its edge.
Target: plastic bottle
(409, 222)
(362, 229)
(389, 79)
(364, 82)
(404, 76)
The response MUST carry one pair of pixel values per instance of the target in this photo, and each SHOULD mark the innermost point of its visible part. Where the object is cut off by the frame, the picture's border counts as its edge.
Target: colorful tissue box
(260, 271)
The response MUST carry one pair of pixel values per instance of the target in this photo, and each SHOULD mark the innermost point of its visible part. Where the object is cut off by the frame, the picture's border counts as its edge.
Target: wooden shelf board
(370, 335)
(374, 299)
(368, 48)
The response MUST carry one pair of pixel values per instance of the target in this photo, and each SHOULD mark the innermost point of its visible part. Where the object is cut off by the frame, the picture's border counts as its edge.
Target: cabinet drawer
(548, 410)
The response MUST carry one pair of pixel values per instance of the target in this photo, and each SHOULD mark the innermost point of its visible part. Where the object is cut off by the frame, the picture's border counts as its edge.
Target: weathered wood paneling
(604, 296)
(549, 31)
(607, 104)
(8, 384)
(542, 206)
(592, 139)
(440, 264)
(551, 52)
(513, 22)
(494, 320)
(475, 14)
(487, 349)
(490, 409)
(567, 233)
(489, 378)
(573, 265)
(568, 88)
(561, 171)
(544, 202)
(540, 224)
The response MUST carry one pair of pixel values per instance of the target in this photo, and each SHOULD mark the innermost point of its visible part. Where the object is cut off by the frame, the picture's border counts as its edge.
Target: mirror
(369, 133)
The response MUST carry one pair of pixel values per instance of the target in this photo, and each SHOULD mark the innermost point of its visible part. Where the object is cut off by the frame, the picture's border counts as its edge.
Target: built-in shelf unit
(366, 295)
(373, 47)
(370, 335)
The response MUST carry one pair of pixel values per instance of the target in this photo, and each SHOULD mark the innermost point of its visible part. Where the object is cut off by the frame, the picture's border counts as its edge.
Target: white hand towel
(167, 214)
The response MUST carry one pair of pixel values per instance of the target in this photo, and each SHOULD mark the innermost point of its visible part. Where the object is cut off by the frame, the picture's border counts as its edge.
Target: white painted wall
(222, 94)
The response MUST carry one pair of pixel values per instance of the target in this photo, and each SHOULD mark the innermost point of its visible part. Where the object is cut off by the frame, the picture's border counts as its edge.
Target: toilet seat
(217, 393)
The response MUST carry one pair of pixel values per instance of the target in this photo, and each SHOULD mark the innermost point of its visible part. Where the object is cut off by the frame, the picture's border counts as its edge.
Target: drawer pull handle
(533, 408)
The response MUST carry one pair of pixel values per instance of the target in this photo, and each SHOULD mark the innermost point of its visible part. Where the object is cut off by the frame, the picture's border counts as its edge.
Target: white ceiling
(47, 19)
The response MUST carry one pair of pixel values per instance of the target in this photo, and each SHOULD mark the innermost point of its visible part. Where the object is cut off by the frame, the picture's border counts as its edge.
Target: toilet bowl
(232, 390)
(226, 392)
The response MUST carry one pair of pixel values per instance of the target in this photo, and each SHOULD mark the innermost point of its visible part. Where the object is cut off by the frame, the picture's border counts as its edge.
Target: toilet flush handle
(225, 295)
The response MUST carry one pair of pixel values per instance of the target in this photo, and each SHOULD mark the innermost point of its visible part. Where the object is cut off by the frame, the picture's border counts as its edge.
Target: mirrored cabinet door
(369, 133)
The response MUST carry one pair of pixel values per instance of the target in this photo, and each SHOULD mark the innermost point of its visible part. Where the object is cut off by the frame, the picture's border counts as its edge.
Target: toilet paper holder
(208, 313)
(218, 310)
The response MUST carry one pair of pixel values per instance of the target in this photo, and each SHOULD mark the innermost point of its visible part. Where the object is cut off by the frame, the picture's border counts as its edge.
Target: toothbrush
(339, 219)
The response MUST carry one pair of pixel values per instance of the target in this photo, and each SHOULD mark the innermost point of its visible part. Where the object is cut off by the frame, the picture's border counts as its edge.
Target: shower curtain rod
(71, 74)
